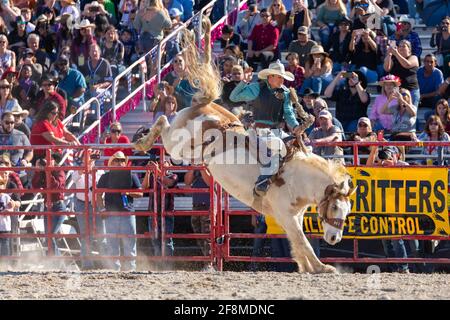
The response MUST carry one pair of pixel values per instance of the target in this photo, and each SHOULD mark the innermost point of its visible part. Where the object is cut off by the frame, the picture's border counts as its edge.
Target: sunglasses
(8, 122)
(177, 61)
(275, 5)
(4, 87)
(119, 160)
(5, 163)
(434, 124)
(265, 15)
(362, 125)
(2, 41)
(116, 131)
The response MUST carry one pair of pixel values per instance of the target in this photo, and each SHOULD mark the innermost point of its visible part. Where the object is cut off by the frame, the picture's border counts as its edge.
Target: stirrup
(261, 187)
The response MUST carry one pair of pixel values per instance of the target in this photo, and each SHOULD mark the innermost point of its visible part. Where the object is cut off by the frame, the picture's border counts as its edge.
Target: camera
(347, 75)
(94, 156)
(94, 9)
(42, 162)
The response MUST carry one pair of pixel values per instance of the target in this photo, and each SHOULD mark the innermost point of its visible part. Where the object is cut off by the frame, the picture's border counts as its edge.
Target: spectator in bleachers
(115, 135)
(172, 4)
(175, 16)
(326, 132)
(402, 63)
(151, 22)
(237, 75)
(116, 201)
(9, 136)
(360, 14)
(29, 59)
(170, 107)
(7, 101)
(352, 99)
(47, 37)
(65, 34)
(434, 131)
(404, 115)
(127, 8)
(26, 89)
(297, 17)
(263, 42)
(339, 44)
(364, 54)
(3, 28)
(27, 15)
(113, 50)
(227, 38)
(405, 33)
(317, 70)
(9, 12)
(328, 15)
(48, 93)
(279, 14)
(182, 88)
(161, 91)
(49, 130)
(443, 112)
(308, 99)
(246, 21)
(41, 56)
(363, 133)
(430, 79)
(18, 36)
(97, 72)
(57, 181)
(226, 67)
(380, 120)
(69, 7)
(7, 57)
(94, 9)
(296, 69)
(72, 82)
(235, 51)
(320, 105)
(441, 39)
(303, 45)
(82, 42)
(129, 44)
(21, 120)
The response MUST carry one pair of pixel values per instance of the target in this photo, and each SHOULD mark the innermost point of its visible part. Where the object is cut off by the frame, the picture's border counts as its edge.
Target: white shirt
(5, 221)
(79, 180)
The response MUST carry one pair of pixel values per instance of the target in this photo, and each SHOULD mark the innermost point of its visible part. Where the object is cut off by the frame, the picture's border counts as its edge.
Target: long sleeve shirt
(248, 92)
(57, 181)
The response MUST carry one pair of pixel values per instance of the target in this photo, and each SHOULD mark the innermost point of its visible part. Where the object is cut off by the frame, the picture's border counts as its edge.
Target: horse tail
(202, 74)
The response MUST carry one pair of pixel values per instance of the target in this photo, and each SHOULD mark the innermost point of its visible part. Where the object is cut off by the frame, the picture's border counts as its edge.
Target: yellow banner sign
(393, 202)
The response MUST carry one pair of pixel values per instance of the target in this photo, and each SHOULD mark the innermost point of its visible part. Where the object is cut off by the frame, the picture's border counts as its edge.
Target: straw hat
(17, 110)
(318, 49)
(85, 23)
(278, 69)
(390, 78)
(117, 155)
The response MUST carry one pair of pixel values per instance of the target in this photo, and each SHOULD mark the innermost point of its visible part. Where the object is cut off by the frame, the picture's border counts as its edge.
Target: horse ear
(352, 188)
(330, 190)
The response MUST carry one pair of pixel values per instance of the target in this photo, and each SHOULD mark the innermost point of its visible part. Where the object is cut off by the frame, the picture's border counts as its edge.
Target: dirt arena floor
(221, 285)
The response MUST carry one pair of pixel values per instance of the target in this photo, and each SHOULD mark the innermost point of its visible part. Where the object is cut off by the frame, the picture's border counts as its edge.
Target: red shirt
(299, 74)
(58, 99)
(109, 152)
(264, 36)
(39, 128)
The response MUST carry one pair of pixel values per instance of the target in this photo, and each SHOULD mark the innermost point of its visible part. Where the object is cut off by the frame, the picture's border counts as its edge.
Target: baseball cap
(364, 120)
(303, 30)
(175, 12)
(325, 114)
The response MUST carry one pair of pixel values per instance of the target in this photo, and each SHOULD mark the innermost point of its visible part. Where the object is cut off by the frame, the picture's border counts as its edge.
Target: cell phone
(94, 9)
(396, 90)
(392, 43)
(95, 156)
(347, 75)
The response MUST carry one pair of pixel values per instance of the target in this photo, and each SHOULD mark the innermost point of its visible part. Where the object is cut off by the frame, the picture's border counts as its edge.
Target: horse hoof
(329, 269)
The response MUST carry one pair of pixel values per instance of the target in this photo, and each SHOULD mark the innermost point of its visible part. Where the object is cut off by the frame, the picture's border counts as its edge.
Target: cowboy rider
(272, 104)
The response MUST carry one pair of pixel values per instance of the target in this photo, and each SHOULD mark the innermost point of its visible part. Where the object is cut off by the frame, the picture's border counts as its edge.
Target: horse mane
(333, 168)
(201, 72)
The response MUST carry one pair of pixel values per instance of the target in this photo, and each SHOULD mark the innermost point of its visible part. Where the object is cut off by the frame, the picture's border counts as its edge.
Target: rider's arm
(245, 92)
(289, 113)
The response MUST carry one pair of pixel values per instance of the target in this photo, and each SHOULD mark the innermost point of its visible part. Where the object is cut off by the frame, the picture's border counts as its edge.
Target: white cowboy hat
(85, 23)
(278, 69)
(71, 2)
(318, 49)
(117, 155)
(404, 18)
(18, 110)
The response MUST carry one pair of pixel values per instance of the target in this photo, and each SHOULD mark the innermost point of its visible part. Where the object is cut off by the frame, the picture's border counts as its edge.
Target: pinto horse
(201, 134)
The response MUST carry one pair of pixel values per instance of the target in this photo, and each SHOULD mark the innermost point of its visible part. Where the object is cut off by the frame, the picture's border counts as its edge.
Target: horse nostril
(333, 238)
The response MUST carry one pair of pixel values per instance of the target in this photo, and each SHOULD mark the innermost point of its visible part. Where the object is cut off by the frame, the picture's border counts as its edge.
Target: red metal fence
(219, 212)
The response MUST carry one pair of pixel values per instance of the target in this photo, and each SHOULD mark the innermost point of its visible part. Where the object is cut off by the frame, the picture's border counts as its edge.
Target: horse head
(334, 208)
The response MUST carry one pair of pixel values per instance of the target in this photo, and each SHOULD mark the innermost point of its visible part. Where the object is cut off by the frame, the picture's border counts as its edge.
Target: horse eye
(334, 207)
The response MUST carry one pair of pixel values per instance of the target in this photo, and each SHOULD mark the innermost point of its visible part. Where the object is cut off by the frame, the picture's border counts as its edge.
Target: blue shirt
(73, 81)
(429, 84)
(188, 8)
(179, 6)
(248, 92)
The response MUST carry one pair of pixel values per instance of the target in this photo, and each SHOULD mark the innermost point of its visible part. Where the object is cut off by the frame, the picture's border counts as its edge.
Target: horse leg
(145, 143)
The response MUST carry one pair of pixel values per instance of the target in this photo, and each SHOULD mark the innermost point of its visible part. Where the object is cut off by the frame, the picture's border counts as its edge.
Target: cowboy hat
(404, 18)
(17, 110)
(278, 69)
(85, 23)
(117, 155)
(390, 78)
(318, 49)
(70, 2)
(7, 72)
